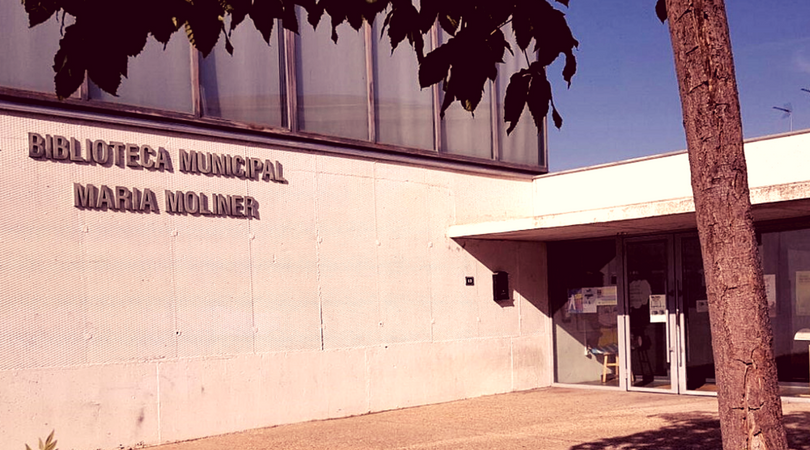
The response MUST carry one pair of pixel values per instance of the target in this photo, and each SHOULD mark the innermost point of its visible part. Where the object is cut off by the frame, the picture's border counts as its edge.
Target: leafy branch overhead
(463, 63)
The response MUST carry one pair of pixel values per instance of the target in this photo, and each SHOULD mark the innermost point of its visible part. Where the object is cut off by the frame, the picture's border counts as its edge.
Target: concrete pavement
(547, 419)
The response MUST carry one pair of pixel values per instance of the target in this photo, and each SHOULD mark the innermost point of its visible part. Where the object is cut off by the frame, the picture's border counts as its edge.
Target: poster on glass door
(770, 293)
(586, 300)
(803, 293)
(581, 301)
(658, 308)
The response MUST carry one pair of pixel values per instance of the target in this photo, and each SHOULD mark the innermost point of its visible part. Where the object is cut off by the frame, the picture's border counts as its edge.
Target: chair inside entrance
(608, 349)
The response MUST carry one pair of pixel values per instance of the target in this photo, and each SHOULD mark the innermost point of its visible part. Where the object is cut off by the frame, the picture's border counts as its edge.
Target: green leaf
(497, 45)
(539, 94)
(238, 10)
(314, 13)
(449, 23)
(466, 83)
(428, 14)
(522, 28)
(435, 65)
(338, 11)
(448, 100)
(130, 42)
(70, 63)
(556, 117)
(355, 18)
(403, 22)
(228, 44)
(418, 44)
(661, 10)
(39, 10)
(204, 25)
(517, 92)
(468, 91)
(264, 13)
(289, 19)
(172, 16)
(386, 21)
(552, 35)
(570, 66)
(371, 8)
(107, 73)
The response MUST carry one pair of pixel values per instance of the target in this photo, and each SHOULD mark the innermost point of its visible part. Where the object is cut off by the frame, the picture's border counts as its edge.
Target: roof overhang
(788, 201)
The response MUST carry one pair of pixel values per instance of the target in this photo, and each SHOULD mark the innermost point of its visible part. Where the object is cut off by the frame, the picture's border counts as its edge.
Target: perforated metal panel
(347, 253)
(455, 305)
(83, 285)
(404, 264)
(42, 275)
(347, 260)
(283, 243)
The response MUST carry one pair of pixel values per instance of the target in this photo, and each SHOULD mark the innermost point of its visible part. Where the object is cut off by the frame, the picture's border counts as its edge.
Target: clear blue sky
(623, 102)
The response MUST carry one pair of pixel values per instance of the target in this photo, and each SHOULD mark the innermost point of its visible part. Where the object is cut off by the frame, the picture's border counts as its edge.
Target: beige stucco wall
(345, 297)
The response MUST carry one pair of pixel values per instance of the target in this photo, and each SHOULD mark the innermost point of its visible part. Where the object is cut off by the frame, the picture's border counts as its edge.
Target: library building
(235, 242)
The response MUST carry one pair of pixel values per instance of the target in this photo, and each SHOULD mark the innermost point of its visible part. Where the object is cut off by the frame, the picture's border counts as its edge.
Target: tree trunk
(748, 392)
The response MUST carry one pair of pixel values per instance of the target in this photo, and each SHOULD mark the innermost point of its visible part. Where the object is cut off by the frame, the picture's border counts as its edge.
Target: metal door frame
(682, 325)
(673, 321)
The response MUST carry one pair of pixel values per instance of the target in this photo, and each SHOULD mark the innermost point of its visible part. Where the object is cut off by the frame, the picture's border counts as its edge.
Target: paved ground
(547, 419)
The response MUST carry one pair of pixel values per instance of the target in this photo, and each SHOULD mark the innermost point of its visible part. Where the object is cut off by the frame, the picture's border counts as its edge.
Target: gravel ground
(547, 419)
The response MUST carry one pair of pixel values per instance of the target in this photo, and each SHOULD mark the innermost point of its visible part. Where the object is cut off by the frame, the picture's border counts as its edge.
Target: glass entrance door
(652, 336)
(697, 362)
(668, 332)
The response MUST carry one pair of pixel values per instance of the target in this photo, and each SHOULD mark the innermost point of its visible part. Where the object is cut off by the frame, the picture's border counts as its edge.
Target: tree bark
(748, 392)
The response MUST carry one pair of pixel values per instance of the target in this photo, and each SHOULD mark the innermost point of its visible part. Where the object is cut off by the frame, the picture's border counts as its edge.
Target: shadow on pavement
(696, 431)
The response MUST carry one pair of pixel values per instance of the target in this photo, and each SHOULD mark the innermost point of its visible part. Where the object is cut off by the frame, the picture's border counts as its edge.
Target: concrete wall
(345, 296)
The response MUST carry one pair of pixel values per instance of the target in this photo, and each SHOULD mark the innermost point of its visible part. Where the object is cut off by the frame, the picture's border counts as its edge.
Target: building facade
(625, 272)
(249, 241)
(246, 242)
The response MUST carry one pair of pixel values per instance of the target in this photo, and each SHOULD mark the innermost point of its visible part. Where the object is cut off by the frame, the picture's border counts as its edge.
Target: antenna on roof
(788, 112)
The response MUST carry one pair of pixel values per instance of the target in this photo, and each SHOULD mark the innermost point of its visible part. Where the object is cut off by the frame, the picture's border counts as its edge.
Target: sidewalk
(546, 419)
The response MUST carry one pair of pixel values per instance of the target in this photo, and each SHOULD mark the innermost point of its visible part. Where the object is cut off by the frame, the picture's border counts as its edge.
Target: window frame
(290, 128)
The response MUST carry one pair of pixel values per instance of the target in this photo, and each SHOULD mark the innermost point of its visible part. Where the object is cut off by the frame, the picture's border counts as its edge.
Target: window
(404, 113)
(467, 134)
(19, 69)
(523, 144)
(332, 82)
(786, 265)
(356, 89)
(248, 85)
(157, 78)
(584, 335)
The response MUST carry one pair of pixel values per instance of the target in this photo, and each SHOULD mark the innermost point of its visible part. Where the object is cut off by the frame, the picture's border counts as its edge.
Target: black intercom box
(500, 286)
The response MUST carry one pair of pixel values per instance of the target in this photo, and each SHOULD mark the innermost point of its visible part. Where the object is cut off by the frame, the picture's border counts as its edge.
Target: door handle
(666, 333)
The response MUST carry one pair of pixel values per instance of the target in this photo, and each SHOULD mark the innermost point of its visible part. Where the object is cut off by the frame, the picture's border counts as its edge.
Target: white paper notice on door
(589, 300)
(658, 308)
(606, 296)
(803, 293)
(639, 291)
(770, 293)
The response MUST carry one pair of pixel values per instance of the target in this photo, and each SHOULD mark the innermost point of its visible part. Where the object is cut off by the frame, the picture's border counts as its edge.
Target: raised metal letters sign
(145, 200)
